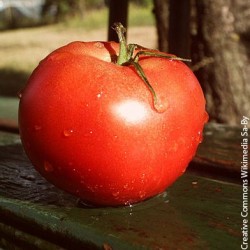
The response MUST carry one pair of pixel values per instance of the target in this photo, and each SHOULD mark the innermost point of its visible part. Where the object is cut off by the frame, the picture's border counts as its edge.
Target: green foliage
(143, 3)
(94, 4)
(74, 11)
(92, 19)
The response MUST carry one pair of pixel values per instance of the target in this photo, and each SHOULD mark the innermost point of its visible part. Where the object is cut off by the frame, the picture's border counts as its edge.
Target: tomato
(90, 127)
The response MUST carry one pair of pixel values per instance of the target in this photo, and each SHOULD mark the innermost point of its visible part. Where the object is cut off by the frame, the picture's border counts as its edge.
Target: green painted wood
(22, 240)
(220, 153)
(187, 219)
(9, 138)
(9, 108)
(9, 114)
(195, 213)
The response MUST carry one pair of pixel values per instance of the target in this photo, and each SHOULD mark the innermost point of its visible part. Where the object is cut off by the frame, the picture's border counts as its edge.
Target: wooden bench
(202, 210)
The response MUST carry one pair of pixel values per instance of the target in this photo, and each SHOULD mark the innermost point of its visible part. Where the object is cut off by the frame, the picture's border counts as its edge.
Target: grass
(141, 16)
(138, 16)
(22, 49)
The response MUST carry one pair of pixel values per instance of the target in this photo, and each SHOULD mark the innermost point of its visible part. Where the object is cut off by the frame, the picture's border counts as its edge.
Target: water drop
(160, 107)
(68, 132)
(20, 94)
(128, 203)
(48, 166)
(115, 194)
(37, 127)
(199, 138)
(206, 117)
(99, 95)
(88, 134)
(129, 207)
(99, 45)
(57, 56)
(142, 194)
(183, 171)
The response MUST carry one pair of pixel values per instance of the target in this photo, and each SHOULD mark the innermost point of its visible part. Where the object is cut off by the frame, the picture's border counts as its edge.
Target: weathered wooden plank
(22, 240)
(220, 153)
(204, 215)
(195, 213)
(9, 138)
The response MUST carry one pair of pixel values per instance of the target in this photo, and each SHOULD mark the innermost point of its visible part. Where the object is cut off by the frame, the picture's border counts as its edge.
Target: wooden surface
(200, 211)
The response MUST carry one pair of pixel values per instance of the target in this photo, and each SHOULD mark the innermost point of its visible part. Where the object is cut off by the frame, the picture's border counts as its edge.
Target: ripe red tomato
(89, 126)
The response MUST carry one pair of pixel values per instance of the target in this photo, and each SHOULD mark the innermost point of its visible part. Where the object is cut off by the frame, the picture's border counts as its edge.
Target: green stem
(141, 73)
(159, 55)
(123, 51)
(126, 58)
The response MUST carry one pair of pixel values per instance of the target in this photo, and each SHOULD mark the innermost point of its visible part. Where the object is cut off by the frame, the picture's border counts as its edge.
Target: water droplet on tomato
(99, 45)
(37, 127)
(68, 132)
(20, 94)
(88, 134)
(142, 194)
(115, 194)
(82, 181)
(99, 95)
(48, 166)
(199, 138)
(160, 107)
(57, 56)
(206, 117)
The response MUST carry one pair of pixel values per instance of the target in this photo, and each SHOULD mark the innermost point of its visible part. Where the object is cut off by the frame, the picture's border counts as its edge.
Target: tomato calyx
(126, 57)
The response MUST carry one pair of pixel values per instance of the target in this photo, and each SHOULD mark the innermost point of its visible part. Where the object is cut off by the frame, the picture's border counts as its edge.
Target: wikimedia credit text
(245, 121)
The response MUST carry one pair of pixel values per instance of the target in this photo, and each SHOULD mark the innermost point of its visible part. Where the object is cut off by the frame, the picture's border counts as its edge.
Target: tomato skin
(89, 126)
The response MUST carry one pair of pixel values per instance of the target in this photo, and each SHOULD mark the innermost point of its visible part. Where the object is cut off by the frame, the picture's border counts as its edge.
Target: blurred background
(214, 34)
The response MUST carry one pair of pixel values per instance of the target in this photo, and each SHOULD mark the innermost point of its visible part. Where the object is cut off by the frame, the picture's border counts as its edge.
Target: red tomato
(89, 126)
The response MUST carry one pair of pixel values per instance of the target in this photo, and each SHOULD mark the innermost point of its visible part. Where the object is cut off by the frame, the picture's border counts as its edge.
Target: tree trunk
(161, 15)
(172, 22)
(220, 51)
(118, 12)
(222, 36)
(179, 29)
